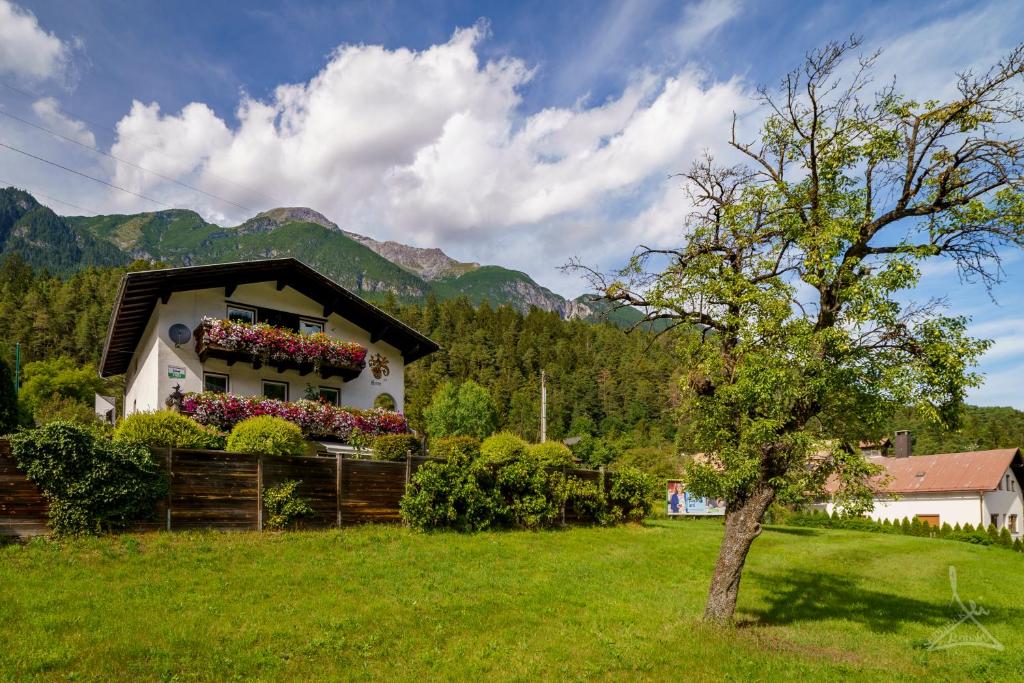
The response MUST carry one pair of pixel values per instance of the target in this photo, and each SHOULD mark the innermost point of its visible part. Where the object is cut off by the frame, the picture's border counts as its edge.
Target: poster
(175, 372)
(679, 502)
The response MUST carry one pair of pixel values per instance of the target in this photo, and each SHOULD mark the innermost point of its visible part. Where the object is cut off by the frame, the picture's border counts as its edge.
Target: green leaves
(91, 483)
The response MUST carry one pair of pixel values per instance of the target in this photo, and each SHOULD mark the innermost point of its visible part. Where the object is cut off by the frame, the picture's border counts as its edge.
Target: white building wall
(953, 508)
(1005, 503)
(140, 388)
(150, 386)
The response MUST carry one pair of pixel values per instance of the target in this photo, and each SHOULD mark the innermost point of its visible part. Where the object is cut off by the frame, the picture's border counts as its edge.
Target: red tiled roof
(971, 471)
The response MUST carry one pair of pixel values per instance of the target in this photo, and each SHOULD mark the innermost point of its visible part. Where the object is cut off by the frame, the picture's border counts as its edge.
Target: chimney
(903, 444)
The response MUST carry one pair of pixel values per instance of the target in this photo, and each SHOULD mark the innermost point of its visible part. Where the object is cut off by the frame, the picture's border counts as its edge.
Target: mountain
(180, 237)
(46, 240)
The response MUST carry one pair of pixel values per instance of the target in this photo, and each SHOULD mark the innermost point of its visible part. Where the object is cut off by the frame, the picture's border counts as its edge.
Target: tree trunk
(742, 526)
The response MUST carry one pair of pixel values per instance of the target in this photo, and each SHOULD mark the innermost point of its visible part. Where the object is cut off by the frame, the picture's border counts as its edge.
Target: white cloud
(703, 18)
(27, 52)
(431, 146)
(48, 111)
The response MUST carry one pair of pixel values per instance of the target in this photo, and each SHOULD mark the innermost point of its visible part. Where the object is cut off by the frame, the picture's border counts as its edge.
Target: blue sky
(511, 133)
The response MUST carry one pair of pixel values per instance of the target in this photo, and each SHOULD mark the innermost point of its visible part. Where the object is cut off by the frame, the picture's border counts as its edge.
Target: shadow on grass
(801, 596)
(792, 531)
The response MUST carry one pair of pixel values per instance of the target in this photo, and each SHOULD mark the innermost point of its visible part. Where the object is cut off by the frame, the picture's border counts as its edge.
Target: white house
(151, 341)
(977, 487)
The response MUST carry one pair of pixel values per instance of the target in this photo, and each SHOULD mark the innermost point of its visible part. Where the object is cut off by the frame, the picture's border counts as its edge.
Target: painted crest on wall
(379, 366)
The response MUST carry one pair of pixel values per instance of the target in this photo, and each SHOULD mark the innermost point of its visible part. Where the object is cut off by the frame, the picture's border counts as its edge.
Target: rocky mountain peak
(429, 264)
(274, 218)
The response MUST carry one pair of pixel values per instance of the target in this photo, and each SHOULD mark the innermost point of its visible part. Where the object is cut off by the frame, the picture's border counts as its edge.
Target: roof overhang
(140, 291)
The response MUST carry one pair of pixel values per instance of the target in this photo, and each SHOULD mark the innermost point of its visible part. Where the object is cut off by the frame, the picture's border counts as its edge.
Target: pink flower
(315, 418)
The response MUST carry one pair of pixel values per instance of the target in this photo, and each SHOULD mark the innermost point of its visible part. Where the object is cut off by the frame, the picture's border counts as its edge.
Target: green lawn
(613, 604)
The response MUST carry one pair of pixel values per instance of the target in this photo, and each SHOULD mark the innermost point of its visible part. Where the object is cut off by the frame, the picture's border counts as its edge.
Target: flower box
(262, 344)
(317, 419)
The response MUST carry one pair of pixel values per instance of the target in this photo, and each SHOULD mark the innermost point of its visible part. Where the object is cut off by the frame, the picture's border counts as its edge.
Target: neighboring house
(151, 339)
(977, 487)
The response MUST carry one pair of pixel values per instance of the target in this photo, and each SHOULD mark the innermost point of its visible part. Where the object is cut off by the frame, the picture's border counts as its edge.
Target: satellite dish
(179, 334)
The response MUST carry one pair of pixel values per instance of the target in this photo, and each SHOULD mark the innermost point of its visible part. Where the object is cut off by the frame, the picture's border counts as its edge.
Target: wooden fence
(223, 491)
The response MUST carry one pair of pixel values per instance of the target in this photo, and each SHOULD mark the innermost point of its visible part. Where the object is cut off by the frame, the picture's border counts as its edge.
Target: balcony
(263, 345)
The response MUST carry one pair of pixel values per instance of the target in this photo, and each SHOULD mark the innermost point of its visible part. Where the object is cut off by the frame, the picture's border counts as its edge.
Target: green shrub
(464, 449)
(584, 501)
(1018, 545)
(946, 531)
(1005, 538)
(166, 428)
(395, 446)
(553, 454)
(632, 494)
(447, 495)
(267, 435)
(92, 484)
(503, 448)
(993, 533)
(283, 506)
(60, 408)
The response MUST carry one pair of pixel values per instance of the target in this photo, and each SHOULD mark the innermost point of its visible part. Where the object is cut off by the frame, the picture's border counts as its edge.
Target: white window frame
(227, 380)
(311, 321)
(336, 390)
(265, 382)
(237, 307)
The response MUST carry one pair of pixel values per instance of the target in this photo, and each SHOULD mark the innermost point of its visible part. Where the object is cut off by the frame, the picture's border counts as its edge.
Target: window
(1008, 483)
(385, 401)
(278, 390)
(1012, 524)
(215, 382)
(994, 520)
(238, 314)
(330, 395)
(310, 326)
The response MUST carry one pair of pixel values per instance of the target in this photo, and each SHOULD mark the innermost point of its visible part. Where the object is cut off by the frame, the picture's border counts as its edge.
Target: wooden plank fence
(223, 491)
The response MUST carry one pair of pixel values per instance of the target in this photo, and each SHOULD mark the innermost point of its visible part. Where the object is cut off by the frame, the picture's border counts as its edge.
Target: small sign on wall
(175, 372)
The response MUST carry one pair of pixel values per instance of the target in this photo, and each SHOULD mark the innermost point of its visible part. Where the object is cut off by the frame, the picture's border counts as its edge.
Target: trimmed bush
(462, 449)
(632, 494)
(1005, 538)
(267, 435)
(447, 495)
(504, 448)
(553, 454)
(395, 446)
(283, 506)
(166, 428)
(92, 484)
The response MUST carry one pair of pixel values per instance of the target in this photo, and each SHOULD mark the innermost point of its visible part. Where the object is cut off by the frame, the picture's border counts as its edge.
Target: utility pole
(17, 368)
(543, 407)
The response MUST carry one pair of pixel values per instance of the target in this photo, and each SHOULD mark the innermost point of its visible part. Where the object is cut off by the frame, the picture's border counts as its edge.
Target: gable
(139, 293)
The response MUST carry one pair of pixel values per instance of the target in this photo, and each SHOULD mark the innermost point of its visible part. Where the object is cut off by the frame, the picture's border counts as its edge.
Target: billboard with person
(679, 502)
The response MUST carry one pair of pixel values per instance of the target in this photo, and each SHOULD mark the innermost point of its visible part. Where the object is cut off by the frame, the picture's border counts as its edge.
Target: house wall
(954, 508)
(151, 385)
(141, 391)
(1005, 503)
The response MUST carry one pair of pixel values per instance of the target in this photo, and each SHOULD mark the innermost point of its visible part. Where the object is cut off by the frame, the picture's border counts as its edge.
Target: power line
(85, 175)
(36, 193)
(71, 114)
(120, 160)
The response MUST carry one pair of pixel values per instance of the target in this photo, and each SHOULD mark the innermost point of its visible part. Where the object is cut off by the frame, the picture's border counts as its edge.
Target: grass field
(386, 603)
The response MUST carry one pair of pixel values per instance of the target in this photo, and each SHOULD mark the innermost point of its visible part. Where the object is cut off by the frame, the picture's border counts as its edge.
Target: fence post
(408, 468)
(170, 484)
(259, 493)
(604, 489)
(339, 459)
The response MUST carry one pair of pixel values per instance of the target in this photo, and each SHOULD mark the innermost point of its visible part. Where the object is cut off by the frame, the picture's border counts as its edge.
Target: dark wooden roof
(139, 292)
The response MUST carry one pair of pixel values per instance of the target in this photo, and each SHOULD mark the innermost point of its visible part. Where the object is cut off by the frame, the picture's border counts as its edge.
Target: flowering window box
(317, 419)
(262, 344)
